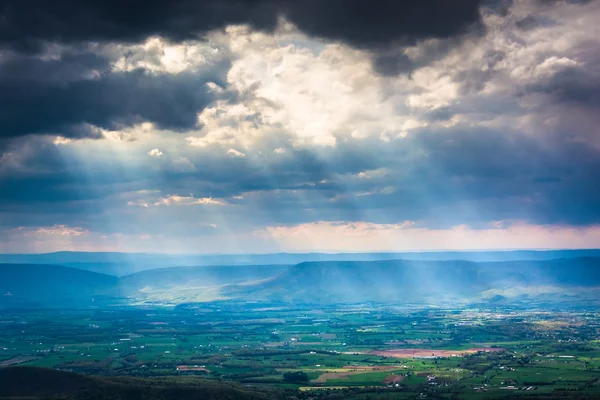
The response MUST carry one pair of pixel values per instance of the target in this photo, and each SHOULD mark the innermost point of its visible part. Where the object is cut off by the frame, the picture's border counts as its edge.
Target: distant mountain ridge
(397, 281)
(428, 281)
(52, 284)
(120, 264)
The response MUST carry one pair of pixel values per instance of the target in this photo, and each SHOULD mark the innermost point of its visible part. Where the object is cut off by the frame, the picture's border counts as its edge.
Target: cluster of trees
(295, 377)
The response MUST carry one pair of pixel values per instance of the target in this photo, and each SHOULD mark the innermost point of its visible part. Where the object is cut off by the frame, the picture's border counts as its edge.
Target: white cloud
(151, 198)
(155, 153)
(62, 230)
(388, 190)
(129, 134)
(552, 65)
(235, 153)
(315, 93)
(138, 203)
(60, 140)
(188, 200)
(157, 55)
(373, 174)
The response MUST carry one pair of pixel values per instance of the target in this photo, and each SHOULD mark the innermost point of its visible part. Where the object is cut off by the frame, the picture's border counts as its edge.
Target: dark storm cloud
(364, 23)
(545, 179)
(394, 64)
(394, 61)
(375, 23)
(551, 3)
(474, 80)
(57, 96)
(35, 171)
(533, 21)
(573, 86)
(60, 96)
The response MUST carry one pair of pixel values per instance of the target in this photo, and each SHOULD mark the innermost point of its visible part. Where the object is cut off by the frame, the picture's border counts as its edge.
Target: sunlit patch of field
(421, 353)
(313, 388)
(192, 368)
(179, 294)
(347, 372)
(348, 368)
(551, 324)
(394, 379)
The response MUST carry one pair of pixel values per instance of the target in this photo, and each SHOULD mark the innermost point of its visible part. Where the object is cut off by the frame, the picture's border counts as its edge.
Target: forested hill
(39, 383)
(52, 283)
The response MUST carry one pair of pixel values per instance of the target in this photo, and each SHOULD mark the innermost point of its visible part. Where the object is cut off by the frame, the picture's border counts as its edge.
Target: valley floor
(344, 351)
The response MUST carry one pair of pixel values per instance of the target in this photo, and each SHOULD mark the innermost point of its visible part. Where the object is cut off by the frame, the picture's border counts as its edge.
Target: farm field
(358, 350)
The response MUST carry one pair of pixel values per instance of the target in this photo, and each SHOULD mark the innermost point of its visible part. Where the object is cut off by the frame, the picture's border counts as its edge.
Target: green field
(325, 352)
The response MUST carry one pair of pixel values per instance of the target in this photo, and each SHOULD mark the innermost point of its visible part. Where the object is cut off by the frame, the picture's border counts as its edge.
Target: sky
(258, 126)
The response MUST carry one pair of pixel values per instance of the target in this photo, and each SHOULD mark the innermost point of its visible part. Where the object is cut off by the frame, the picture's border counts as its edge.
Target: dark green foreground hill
(40, 383)
(20, 383)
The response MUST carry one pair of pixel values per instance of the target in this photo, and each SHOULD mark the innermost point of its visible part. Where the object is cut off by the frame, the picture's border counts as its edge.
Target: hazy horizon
(368, 241)
(327, 252)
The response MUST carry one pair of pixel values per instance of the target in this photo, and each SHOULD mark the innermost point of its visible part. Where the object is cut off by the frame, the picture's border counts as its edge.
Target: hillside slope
(52, 283)
(199, 276)
(192, 284)
(427, 281)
